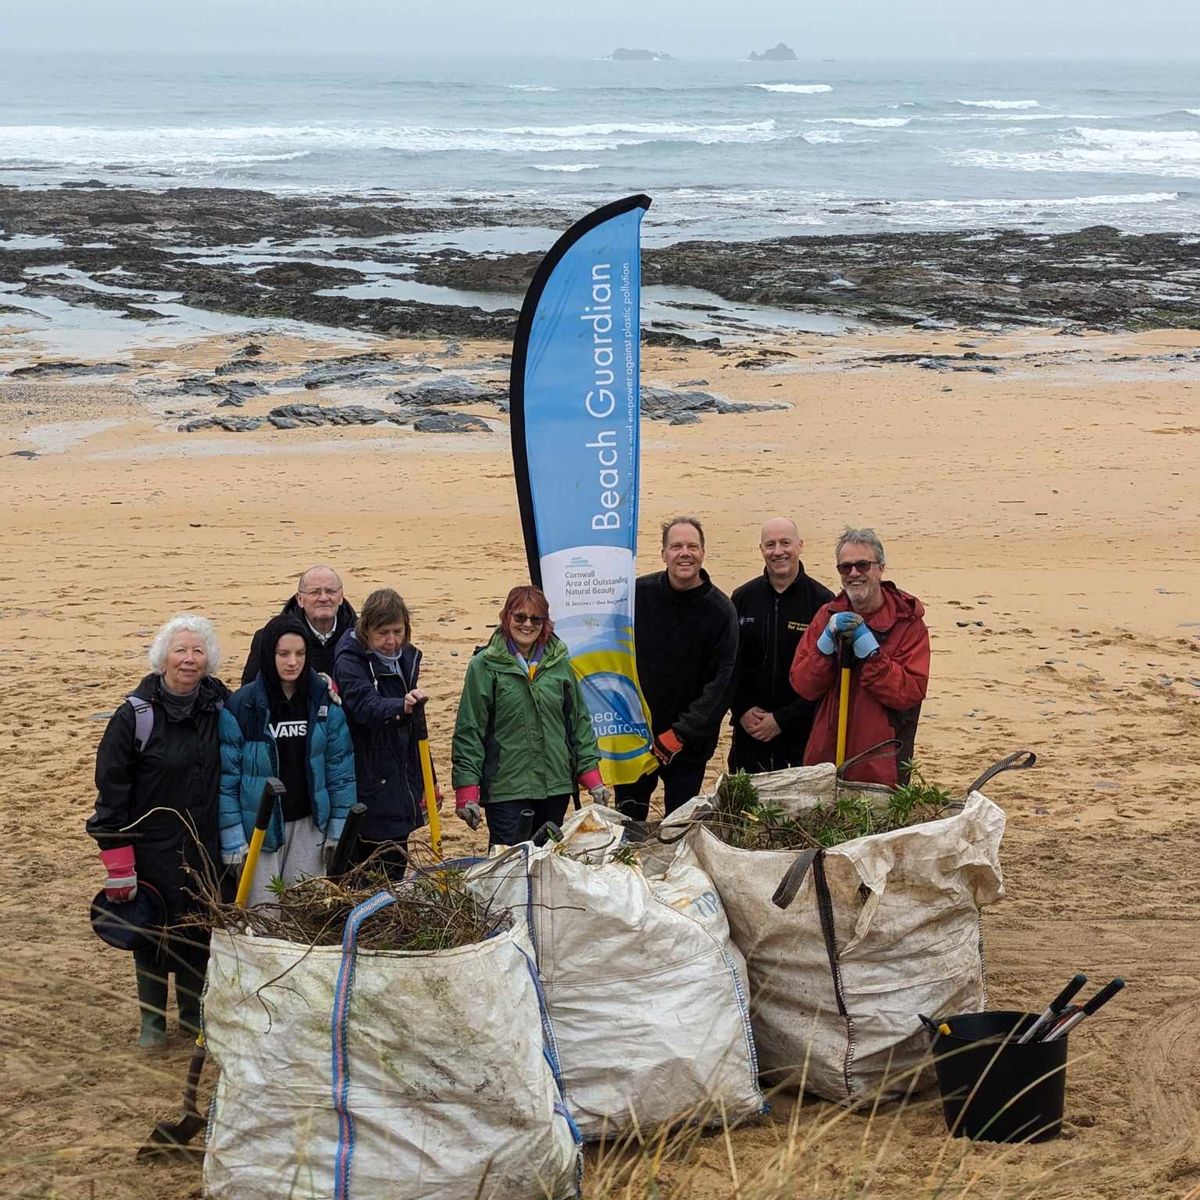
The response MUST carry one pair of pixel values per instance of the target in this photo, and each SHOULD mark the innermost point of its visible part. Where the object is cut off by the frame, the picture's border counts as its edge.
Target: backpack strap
(143, 721)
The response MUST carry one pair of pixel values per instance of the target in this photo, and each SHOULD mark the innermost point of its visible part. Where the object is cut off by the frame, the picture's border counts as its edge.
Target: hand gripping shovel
(431, 805)
(170, 1139)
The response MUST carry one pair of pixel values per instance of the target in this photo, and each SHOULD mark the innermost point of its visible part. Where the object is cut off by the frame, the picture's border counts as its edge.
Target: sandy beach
(1047, 514)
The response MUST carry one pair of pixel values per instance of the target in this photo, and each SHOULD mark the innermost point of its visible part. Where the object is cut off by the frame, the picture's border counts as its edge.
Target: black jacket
(770, 625)
(320, 656)
(686, 643)
(387, 766)
(179, 770)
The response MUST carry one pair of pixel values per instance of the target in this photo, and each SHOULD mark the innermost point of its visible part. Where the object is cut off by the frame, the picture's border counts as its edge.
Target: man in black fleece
(685, 635)
(771, 723)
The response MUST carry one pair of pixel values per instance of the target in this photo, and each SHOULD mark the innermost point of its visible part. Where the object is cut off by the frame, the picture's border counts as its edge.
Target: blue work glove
(840, 623)
(864, 642)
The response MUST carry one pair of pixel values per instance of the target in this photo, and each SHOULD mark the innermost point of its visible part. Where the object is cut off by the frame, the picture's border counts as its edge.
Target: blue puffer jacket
(248, 759)
(385, 748)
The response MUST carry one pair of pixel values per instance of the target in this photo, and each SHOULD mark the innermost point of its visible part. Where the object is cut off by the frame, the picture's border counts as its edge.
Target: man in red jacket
(890, 674)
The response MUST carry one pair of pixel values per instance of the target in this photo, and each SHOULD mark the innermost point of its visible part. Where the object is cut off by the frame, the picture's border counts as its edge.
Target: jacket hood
(350, 645)
(497, 652)
(342, 619)
(897, 606)
(268, 672)
(212, 691)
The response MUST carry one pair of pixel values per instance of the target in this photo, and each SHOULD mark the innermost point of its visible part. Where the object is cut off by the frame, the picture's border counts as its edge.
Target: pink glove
(466, 805)
(121, 884)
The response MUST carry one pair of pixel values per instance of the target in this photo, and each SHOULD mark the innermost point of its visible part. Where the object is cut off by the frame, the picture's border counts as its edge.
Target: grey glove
(602, 794)
(471, 813)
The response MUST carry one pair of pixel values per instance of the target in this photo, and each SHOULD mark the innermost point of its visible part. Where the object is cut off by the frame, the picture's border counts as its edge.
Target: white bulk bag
(416, 1076)
(645, 992)
(880, 928)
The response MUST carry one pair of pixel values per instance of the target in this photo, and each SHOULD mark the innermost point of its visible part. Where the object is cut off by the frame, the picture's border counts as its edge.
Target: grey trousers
(298, 855)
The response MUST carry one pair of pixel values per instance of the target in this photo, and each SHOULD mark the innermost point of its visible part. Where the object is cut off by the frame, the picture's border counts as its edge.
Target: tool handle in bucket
(525, 826)
(1020, 760)
(347, 842)
(273, 790)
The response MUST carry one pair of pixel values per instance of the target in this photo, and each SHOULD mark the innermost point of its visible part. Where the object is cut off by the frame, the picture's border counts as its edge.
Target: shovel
(170, 1140)
(843, 726)
(431, 805)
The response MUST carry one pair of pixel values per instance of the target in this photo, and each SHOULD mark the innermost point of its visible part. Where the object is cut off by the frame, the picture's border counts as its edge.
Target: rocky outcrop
(777, 53)
(1095, 278)
(621, 54)
(444, 422)
(446, 390)
(684, 408)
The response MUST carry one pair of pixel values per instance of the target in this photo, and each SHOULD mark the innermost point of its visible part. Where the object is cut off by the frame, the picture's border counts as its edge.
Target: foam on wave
(796, 89)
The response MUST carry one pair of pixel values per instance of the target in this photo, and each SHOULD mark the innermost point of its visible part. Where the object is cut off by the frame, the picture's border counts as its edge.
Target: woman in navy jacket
(287, 724)
(376, 667)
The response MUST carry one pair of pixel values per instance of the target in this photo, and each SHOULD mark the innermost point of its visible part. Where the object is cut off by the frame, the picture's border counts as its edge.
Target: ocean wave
(169, 146)
(867, 122)
(530, 87)
(822, 137)
(1069, 202)
(1119, 151)
(798, 89)
(567, 168)
(998, 104)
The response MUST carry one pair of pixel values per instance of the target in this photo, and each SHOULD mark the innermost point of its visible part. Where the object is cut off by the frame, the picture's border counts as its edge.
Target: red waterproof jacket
(886, 690)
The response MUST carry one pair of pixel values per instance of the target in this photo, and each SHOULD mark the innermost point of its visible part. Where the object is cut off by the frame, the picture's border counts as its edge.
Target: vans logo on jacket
(289, 729)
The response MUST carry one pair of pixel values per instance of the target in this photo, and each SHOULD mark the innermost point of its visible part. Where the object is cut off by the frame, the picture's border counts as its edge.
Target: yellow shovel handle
(431, 804)
(843, 725)
(246, 882)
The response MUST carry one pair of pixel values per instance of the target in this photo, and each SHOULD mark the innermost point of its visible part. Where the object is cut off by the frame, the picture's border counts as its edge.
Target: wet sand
(1048, 516)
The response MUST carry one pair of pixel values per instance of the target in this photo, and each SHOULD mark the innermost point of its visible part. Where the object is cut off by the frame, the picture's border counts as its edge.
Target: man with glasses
(325, 614)
(889, 655)
(771, 723)
(685, 636)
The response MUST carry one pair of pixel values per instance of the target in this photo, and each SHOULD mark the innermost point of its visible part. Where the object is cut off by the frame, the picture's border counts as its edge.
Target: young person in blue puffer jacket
(286, 723)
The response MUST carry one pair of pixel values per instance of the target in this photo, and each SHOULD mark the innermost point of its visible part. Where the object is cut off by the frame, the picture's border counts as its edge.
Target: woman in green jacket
(523, 738)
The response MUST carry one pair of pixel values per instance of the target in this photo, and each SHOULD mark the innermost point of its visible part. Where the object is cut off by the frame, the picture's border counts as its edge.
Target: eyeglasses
(527, 619)
(862, 565)
(332, 593)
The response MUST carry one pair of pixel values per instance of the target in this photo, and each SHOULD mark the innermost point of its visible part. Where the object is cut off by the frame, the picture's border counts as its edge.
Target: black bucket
(995, 1090)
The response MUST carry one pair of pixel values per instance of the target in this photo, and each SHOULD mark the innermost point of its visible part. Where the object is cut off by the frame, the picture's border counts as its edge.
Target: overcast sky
(684, 28)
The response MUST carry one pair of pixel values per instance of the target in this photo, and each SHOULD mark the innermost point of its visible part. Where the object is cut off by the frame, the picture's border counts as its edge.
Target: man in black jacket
(771, 723)
(685, 635)
(323, 611)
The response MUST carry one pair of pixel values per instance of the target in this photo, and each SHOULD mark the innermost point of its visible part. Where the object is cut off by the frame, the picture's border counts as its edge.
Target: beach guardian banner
(575, 407)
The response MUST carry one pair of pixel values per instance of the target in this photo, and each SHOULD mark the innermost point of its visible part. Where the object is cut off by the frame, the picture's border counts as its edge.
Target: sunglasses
(862, 565)
(527, 619)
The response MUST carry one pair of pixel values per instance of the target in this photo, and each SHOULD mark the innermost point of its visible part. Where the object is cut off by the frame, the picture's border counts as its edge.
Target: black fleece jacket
(686, 643)
(770, 625)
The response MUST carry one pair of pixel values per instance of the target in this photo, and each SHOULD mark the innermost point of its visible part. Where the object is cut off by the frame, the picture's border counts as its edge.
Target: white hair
(191, 623)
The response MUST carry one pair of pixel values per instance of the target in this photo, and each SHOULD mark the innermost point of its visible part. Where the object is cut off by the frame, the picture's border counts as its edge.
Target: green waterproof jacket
(518, 738)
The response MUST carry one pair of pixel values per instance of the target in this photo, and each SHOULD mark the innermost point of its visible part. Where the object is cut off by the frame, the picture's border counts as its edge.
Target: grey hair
(191, 623)
(860, 537)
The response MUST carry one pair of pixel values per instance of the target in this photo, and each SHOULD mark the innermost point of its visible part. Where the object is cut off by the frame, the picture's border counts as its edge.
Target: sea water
(726, 149)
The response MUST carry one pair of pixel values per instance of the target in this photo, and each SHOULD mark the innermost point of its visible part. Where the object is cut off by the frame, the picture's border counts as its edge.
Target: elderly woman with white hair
(158, 775)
